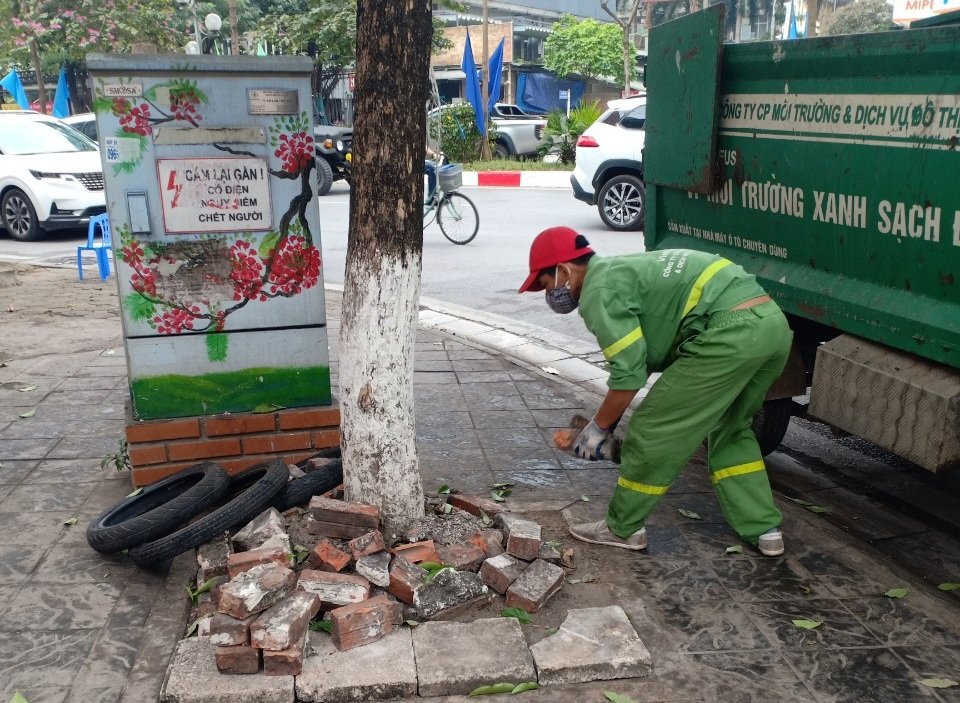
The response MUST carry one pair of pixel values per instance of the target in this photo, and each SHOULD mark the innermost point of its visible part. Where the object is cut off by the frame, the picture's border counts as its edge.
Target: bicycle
(456, 214)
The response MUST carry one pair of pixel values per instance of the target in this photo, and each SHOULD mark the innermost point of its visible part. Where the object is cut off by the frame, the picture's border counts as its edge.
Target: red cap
(553, 246)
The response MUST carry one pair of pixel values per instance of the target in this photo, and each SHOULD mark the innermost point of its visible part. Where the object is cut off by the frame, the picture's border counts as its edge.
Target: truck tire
(324, 176)
(622, 203)
(501, 150)
(158, 509)
(257, 488)
(300, 490)
(770, 424)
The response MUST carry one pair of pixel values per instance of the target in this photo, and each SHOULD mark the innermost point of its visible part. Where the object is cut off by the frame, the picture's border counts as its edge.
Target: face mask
(560, 299)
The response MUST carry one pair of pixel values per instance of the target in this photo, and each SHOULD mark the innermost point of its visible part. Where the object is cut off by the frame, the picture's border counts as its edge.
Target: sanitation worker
(720, 342)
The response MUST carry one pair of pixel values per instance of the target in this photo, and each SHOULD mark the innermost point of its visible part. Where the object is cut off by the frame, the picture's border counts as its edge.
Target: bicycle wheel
(458, 218)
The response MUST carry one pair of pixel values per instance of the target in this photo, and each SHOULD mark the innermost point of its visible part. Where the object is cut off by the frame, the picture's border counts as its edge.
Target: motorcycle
(333, 146)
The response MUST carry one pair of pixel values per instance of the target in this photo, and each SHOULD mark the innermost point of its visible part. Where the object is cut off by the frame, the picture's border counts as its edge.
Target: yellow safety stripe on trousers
(642, 487)
(701, 281)
(622, 343)
(739, 470)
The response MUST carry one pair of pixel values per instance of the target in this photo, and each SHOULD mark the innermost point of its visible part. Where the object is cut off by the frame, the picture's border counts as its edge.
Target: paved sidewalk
(76, 626)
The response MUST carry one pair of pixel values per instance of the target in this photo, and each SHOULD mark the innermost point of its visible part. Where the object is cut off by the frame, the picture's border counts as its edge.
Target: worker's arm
(614, 405)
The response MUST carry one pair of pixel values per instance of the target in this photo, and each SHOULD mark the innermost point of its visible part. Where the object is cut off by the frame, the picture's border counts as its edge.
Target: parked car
(609, 166)
(517, 135)
(50, 176)
(510, 111)
(85, 122)
(333, 144)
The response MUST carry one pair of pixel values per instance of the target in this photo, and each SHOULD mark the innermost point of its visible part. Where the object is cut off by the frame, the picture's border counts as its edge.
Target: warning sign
(215, 195)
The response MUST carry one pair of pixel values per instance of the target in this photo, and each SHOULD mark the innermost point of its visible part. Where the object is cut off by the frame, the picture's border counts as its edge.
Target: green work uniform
(671, 311)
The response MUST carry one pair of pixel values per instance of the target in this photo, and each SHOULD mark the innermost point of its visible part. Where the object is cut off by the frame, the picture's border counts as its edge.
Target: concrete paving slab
(193, 678)
(592, 644)
(455, 658)
(381, 670)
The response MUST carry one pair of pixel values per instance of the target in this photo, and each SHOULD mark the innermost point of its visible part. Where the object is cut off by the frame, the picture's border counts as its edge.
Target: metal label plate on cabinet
(264, 101)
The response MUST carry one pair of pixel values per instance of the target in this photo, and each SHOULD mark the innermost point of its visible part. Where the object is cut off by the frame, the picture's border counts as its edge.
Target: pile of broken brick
(267, 593)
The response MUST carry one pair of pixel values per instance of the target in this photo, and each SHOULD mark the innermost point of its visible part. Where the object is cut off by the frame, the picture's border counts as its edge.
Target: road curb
(518, 179)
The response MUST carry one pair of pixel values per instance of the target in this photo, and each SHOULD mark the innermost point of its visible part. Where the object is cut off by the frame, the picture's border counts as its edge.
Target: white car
(50, 176)
(85, 122)
(609, 166)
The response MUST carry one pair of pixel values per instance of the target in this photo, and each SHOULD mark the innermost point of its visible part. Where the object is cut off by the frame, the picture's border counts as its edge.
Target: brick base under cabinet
(236, 441)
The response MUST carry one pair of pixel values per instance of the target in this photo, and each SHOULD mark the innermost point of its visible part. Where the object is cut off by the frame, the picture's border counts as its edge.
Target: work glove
(594, 443)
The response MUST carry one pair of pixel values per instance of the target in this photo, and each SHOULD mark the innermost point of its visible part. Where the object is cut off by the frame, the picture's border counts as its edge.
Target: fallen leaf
(28, 413)
(410, 623)
(551, 630)
(27, 389)
(809, 506)
(939, 683)
(617, 697)
(444, 489)
(497, 497)
(266, 408)
(194, 626)
(135, 493)
(447, 508)
(896, 593)
(566, 558)
(521, 615)
(528, 686)
(585, 498)
(735, 549)
(942, 586)
(807, 624)
(689, 514)
(501, 486)
(547, 369)
(18, 698)
(321, 625)
(493, 688)
(806, 589)
(69, 522)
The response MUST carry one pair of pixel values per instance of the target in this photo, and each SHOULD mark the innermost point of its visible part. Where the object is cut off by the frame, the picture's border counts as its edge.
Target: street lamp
(211, 26)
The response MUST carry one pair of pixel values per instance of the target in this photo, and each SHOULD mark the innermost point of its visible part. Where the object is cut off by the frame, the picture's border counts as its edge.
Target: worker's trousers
(712, 391)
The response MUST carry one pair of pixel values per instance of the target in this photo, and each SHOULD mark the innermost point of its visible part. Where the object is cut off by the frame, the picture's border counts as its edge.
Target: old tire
(253, 492)
(300, 490)
(324, 176)
(622, 203)
(158, 510)
(20, 217)
(770, 424)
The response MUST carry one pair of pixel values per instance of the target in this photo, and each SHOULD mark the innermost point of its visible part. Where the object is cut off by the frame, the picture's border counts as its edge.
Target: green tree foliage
(860, 17)
(584, 47)
(561, 133)
(456, 131)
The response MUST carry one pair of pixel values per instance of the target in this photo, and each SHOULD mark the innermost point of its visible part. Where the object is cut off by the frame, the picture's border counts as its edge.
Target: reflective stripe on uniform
(701, 281)
(739, 470)
(622, 343)
(642, 487)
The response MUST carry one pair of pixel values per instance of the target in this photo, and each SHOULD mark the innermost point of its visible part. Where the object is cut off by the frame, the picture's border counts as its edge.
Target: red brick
(370, 543)
(462, 557)
(417, 552)
(238, 660)
(300, 419)
(272, 443)
(238, 424)
(344, 513)
(286, 662)
(501, 571)
(523, 538)
(326, 557)
(144, 454)
(535, 586)
(285, 623)
(255, 590)
(159, 430)
(480, 543)
(204, 449)
(297, 457)
(494, 542)
(244, 561)
(228, 631)
(321, 528)
(405, 578)
(475, 505)
(362, 623)
(238, 464)
(144, 476)
(326, 439)
(335, 589)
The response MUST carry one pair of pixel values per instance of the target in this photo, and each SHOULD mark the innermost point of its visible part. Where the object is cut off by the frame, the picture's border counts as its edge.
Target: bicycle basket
(450, 176)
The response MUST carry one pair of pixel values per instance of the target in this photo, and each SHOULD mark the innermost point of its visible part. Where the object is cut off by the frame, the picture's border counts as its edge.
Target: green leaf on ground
(447, 508)
(896, 593)
(217, 346)
(432, 568)
(501, 486)
(949, 586)
(585, 498)
(322, 626)
(135, 492)
(809, 506)
(204, 587)
(28, 413)
(266, 408)
(807, 624)
(194, 626)
(689, 514)
(70, 522)
(484, 518)
(617, 697)
(586, 578)
(27, 389)
(735, 549)
(522, 615)
(300, 553)
(410, 623)
(528, 686)
(444, 489)
(939, 683)
(497, 497)
(18, 698)
(493, 688)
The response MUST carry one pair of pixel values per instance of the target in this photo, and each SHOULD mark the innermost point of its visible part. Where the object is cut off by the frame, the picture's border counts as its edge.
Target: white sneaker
(598, 533)
(770, 543)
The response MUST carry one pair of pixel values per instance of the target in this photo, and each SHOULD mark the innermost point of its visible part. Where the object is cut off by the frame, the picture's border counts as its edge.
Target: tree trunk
(485, 83)
(627, 63)
(234, 29)
(384, 256)
(37, 66)
(813, 16)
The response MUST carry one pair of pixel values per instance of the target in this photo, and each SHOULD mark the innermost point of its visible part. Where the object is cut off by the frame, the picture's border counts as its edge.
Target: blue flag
(495, 76)
(12, 84)
(61, 99)
(792, 31)
(473, 85)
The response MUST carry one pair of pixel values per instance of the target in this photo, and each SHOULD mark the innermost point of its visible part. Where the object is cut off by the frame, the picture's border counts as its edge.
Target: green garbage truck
(829, 168)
